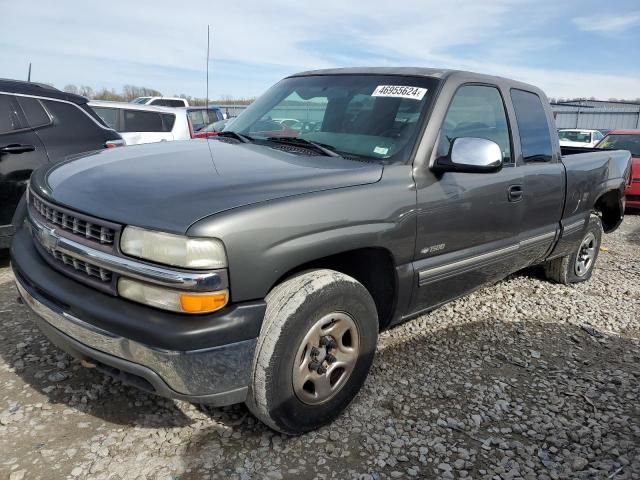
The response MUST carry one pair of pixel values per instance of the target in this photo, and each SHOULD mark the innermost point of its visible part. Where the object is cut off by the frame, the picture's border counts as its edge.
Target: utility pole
(29, 74)
(208, 37)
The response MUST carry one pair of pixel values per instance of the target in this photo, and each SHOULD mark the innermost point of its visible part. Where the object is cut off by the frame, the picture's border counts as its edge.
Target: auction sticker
(381, 150)
(399, 91)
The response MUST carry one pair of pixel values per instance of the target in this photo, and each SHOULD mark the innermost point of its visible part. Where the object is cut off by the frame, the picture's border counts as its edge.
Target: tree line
(129, 92)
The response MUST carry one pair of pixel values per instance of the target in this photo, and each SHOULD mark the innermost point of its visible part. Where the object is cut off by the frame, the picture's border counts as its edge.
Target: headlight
(176, 250)
(174, 300)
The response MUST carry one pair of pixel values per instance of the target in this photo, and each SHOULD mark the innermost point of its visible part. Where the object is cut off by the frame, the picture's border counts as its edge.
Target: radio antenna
(208, 40)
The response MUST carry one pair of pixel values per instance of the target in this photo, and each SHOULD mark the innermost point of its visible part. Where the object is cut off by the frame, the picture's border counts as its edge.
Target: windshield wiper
(323, 148)
(238, 136)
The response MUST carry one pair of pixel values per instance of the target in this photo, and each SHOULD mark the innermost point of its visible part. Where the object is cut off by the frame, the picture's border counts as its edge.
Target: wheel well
(610, 210)
(372, 267)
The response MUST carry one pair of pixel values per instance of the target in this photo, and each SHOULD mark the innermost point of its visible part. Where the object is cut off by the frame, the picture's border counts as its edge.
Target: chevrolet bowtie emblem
(47, 238)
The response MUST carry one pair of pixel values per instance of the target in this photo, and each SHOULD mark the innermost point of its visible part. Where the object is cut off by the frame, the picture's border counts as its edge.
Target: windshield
(622, 142)
(374, 116)
(141, 100)
(574, 136)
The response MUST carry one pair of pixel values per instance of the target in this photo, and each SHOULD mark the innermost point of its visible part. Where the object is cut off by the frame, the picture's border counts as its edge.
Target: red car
(627, 140)
(212, 129)
(272, 129)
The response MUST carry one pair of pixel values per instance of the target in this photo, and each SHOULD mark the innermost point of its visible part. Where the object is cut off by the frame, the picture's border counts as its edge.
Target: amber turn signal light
(203, 303)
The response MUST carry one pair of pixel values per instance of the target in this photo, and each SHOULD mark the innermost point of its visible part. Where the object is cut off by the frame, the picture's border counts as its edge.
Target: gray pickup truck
(259, 266)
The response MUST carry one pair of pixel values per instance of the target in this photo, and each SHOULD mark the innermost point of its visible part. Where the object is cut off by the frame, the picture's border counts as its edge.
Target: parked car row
(142, 123)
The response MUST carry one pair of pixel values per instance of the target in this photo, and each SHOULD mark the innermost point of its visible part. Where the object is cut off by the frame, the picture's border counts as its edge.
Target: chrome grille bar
(74, 224)
(81, 266)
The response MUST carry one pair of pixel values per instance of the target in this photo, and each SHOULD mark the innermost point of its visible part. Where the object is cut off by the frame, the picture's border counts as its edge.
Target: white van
(144, 123)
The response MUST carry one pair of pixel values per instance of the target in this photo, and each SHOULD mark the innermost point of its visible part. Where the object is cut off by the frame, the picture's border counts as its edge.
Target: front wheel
(578, 266)
(314, 352)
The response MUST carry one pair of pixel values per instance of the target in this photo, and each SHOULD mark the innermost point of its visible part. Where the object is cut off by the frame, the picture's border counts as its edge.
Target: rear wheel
(578, 266)
(314, 352)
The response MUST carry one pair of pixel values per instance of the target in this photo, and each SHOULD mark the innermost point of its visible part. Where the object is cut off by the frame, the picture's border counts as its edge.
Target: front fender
(269, 239)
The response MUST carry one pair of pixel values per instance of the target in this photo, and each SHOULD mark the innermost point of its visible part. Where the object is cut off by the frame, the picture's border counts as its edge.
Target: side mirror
(472, 155)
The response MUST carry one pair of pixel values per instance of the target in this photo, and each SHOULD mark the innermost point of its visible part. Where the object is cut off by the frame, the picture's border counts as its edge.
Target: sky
(569, 48)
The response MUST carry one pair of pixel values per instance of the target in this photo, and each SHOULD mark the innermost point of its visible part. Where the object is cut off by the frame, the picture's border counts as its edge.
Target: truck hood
(170, 185)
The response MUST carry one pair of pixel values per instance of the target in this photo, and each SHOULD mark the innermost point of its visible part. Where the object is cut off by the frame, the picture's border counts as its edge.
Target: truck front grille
(93, 230)
(82, 229)
(82, 266)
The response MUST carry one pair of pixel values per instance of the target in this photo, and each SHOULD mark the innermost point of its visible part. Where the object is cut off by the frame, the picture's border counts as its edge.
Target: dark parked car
(260, 269)
(39, 125)
(201, 117)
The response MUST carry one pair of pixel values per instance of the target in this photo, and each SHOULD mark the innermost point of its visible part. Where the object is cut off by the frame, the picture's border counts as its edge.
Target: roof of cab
(39, 90)
(440, 73)
(409, 71)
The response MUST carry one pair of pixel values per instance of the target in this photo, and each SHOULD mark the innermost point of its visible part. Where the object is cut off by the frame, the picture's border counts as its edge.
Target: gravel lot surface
(524, 379)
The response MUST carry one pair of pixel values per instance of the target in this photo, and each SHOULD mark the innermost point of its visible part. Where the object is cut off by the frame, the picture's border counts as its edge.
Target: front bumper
(88, 325)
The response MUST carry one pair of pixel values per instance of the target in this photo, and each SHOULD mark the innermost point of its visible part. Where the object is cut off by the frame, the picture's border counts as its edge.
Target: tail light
(191, 132)
(634, 171)
(114, 144)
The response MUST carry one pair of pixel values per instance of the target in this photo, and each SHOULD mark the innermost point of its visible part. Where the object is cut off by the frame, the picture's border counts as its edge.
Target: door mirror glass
(473, 155)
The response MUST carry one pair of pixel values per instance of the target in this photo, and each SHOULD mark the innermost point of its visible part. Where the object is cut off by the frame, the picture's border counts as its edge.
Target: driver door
(468, 223)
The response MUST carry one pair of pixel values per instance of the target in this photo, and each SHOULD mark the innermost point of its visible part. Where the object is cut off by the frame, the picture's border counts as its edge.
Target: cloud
(608, 23)
(254, 43)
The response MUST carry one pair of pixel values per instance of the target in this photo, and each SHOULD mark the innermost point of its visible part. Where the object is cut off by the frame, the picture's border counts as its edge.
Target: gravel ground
(524, 379)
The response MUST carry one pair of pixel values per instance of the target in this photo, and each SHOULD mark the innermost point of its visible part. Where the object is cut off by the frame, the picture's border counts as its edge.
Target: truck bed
(591, 173)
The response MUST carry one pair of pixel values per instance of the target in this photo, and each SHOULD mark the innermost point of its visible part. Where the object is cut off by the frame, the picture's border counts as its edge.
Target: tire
(565, 269)
(297, 310)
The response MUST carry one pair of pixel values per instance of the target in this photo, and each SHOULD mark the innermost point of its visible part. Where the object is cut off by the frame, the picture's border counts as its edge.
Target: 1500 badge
(433, 248)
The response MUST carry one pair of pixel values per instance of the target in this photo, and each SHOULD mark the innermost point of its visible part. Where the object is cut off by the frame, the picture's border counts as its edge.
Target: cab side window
(533, 126)
(476, 111)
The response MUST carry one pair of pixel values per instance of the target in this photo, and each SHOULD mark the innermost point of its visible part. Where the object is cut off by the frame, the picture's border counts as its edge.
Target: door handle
(15, 148)
(515, 193)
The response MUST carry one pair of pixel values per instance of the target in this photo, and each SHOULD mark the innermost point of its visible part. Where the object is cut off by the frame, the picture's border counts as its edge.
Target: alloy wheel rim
(586, 255)
(325, 358)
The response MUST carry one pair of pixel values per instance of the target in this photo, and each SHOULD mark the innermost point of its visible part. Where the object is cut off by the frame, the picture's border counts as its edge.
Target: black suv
(40, 124)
